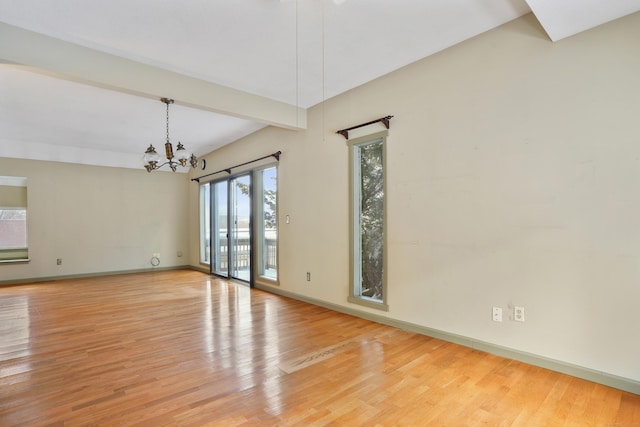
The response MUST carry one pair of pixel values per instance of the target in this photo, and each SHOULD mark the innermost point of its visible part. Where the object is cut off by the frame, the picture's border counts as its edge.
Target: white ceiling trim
(67, 154)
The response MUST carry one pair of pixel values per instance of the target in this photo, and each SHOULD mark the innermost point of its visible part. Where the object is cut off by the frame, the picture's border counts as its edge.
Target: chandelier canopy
(180, 158)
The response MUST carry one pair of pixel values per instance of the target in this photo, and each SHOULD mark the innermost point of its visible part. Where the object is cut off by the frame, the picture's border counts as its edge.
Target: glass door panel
(220, 237)
(240, 226)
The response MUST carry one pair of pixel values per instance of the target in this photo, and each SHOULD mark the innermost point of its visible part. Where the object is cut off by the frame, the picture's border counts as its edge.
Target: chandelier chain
(167, 122)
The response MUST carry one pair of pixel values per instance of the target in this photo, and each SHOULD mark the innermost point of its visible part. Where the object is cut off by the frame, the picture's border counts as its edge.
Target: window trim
(354, 220)
(16, 200)
(203, 222)
(259, 223)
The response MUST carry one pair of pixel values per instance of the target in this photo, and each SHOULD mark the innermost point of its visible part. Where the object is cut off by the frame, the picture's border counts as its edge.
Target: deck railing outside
(242, 261)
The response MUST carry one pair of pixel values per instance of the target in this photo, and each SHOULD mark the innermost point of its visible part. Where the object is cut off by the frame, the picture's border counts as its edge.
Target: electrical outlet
(518, 314)
(59, 261)
(497, 314)
(308, 276)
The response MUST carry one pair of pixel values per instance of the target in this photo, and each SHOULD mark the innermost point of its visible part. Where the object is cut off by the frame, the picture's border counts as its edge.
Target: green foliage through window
(372, 220)
(368, 221)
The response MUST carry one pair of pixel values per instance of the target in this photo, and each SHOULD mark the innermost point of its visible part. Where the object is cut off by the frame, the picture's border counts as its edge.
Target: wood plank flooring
(180, 348)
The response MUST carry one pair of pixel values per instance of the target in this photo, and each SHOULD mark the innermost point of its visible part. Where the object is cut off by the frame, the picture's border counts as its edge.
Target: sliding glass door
(239, 225)
(231, 228)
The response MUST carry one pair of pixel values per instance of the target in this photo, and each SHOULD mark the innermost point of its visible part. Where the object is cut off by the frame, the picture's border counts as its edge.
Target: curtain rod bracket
(386, 121)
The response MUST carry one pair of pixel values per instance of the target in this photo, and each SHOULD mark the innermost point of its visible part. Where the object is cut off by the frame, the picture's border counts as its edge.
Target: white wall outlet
(308, 276)
(518, 314)
(497, 314)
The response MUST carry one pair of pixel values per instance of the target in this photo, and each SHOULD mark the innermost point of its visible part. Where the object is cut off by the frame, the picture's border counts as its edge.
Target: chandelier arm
(166, 163)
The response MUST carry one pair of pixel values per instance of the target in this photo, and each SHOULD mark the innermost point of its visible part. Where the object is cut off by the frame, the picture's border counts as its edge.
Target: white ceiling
(60, 101)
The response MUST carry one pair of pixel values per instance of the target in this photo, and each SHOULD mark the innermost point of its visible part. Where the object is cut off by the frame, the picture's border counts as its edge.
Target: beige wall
(98, 219)
(513, 173)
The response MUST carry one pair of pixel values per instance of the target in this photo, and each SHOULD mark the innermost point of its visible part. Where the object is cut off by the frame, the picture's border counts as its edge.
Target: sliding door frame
(231, 261)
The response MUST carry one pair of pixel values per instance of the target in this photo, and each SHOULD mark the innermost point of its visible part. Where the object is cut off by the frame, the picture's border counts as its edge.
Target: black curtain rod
(276, 155)
(384, 120)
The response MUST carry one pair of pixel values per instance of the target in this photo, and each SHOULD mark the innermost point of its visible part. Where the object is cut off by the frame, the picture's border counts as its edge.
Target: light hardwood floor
(182, 348)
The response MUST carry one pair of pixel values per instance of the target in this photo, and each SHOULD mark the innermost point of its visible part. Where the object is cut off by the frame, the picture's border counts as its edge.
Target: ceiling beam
(89, 66)
(561, 19)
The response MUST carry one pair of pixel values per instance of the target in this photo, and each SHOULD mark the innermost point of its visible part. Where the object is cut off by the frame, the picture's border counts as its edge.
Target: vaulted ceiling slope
(80, 81)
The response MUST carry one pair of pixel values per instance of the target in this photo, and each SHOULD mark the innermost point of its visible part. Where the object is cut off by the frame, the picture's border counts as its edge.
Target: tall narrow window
(205, 223)
(267, 230)
(13, 219)
(368, 254)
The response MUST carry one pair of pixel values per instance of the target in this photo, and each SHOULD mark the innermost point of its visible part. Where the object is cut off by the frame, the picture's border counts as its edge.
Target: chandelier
(181, 157)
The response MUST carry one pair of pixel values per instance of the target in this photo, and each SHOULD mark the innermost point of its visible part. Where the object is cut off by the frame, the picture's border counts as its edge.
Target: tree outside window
(368, 285)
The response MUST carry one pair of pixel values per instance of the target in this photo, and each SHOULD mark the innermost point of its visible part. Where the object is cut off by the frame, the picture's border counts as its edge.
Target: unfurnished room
(319, 212)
